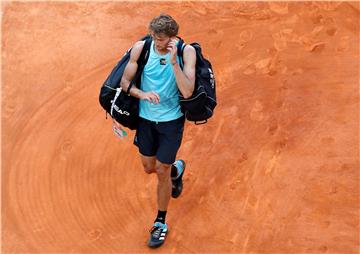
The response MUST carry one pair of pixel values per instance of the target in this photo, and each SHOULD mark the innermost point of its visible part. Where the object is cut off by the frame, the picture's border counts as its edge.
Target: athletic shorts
(160, 139)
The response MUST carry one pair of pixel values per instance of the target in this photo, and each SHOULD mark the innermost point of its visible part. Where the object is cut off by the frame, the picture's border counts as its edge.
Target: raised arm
(185, 78)
(129, 74)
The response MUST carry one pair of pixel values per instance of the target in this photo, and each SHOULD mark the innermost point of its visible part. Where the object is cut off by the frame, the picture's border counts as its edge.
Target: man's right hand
(152, 97)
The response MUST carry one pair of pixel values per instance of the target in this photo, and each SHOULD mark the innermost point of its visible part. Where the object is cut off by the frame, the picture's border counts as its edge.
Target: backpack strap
(180, 51)
(143, 58)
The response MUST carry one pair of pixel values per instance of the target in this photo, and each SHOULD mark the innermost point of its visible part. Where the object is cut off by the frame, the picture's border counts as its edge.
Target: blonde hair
(164, 24)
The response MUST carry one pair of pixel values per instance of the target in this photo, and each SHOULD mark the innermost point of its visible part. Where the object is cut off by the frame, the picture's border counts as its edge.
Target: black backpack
(119, 104)
(200, 106)
(125, 108)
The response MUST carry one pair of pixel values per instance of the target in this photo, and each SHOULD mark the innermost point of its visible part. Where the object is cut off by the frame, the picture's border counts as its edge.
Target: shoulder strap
(143, 58)
(180, 51)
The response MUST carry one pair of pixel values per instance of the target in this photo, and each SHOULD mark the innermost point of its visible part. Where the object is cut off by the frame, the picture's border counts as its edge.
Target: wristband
(128, 90)
(173, 63)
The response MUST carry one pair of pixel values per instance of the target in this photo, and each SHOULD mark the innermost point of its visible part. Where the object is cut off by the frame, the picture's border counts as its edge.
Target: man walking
(161, 126)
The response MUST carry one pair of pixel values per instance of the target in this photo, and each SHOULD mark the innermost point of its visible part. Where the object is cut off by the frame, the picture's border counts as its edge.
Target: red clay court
(276, 170)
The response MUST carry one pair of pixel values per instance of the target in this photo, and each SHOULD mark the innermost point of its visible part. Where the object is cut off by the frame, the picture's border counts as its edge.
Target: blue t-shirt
(158, 76)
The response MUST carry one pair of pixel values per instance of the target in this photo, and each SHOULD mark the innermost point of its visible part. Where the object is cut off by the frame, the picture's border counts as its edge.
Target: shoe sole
(155, 246)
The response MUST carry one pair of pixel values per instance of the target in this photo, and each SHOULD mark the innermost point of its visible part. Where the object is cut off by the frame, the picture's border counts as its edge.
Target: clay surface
(276, 170)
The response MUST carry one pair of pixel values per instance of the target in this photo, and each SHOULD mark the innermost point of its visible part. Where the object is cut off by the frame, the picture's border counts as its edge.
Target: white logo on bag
(212, 78)
(123, 112)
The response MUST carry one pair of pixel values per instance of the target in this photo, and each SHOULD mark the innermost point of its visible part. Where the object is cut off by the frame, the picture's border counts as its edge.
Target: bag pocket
(125, 110)
(195, 102)
(197, 116)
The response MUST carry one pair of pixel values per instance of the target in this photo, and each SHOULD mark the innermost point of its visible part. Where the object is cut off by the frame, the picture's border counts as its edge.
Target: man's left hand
(172, 48)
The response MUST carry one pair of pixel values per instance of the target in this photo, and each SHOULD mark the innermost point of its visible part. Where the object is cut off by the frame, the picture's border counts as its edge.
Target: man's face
(161, 41)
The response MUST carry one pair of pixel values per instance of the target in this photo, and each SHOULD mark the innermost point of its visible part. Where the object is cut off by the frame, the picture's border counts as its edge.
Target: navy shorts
(160, 139)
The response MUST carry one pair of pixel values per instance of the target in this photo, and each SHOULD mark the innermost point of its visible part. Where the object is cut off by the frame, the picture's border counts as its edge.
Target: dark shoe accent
(157, 235)
(177, 183)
